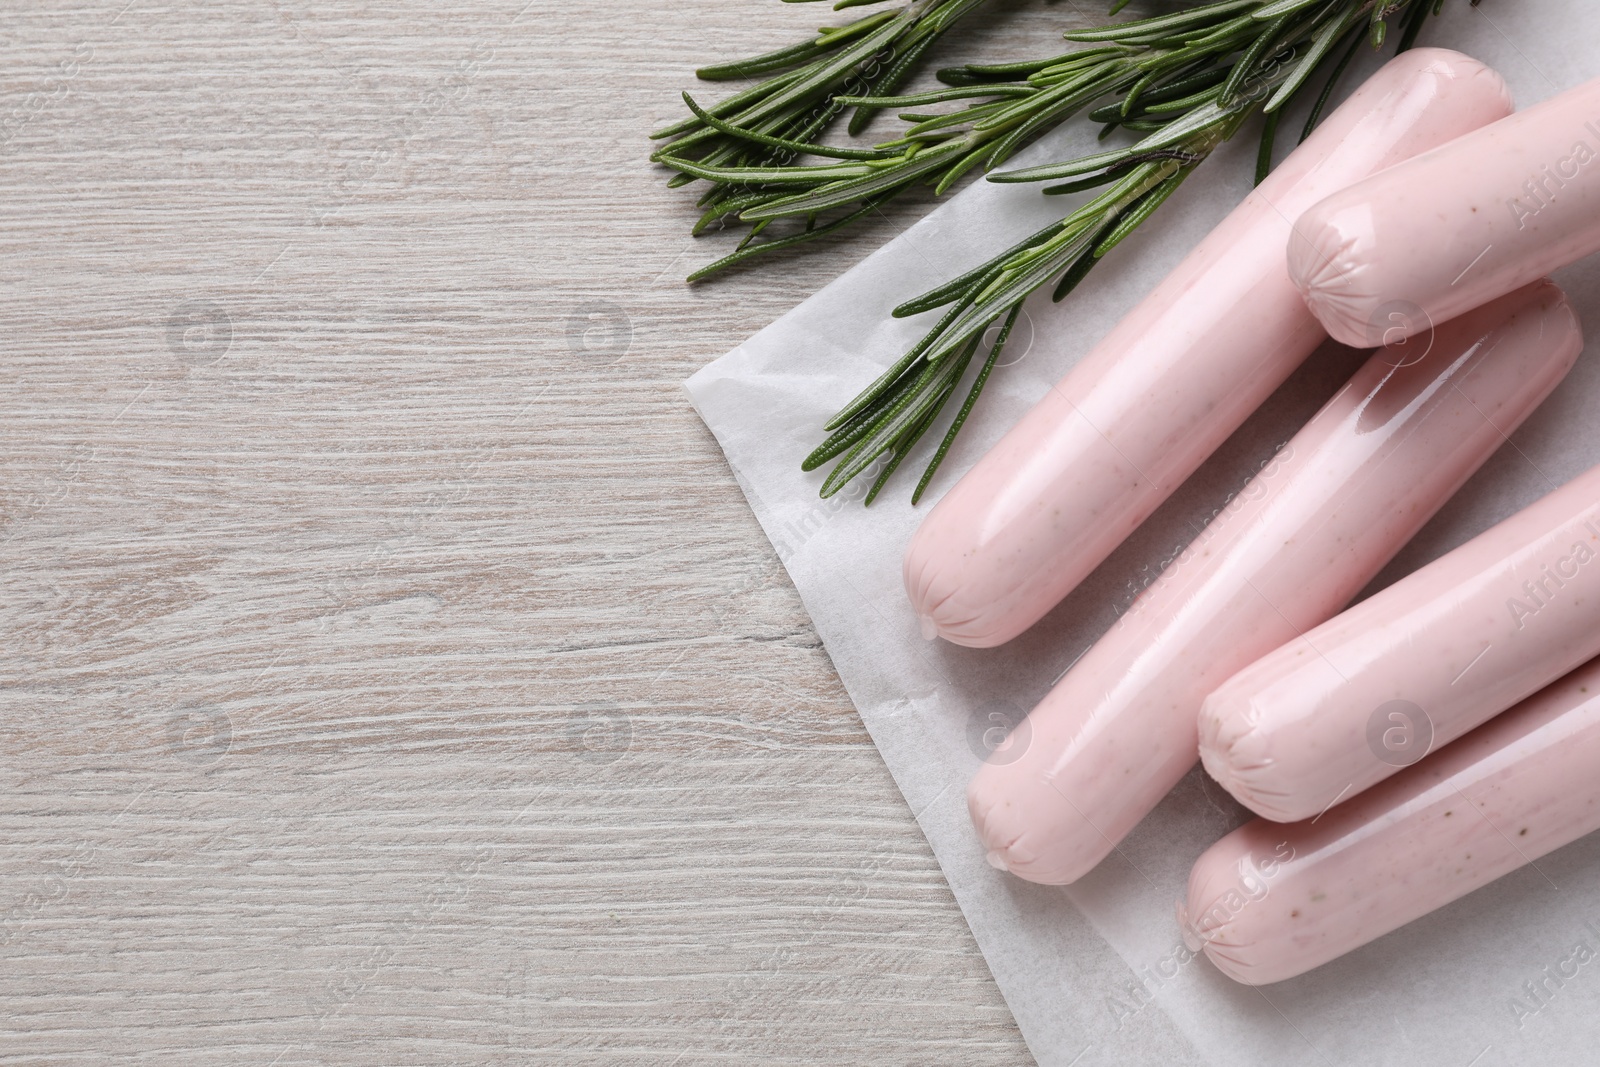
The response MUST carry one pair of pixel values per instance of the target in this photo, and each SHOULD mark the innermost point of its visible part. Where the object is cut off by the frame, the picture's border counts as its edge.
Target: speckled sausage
(1179, 374)
(1118, 732)
(1453, 228)
(1442, 650)
(1269, 902)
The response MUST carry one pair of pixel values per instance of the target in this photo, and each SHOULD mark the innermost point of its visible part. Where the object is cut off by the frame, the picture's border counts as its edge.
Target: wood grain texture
(392, 670)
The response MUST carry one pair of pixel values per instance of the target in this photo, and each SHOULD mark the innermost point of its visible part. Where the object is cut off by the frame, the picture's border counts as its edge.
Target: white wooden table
(392, 670)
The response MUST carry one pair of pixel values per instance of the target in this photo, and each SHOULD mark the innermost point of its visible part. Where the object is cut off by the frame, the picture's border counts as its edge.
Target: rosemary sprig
(1188, 80)
(806, 88)
(1156, 69)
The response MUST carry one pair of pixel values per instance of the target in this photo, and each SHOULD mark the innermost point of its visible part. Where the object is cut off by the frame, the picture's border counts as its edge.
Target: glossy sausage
(1415, 666)
(1269, 901)
(1419, 244)
(1170, 382)
(1119, 731)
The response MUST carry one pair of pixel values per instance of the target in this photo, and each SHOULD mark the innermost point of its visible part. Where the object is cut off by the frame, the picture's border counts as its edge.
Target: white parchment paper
(1095, 972)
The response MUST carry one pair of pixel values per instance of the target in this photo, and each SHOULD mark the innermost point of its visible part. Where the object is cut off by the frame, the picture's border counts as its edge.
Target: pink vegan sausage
(1171, 381)
(1423, 242)
(1118, 732)
(1269, 902)
(1415, 666)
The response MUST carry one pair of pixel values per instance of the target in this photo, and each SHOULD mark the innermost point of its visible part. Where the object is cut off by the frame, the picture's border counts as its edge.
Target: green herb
(769, 125)
(1188, 80)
